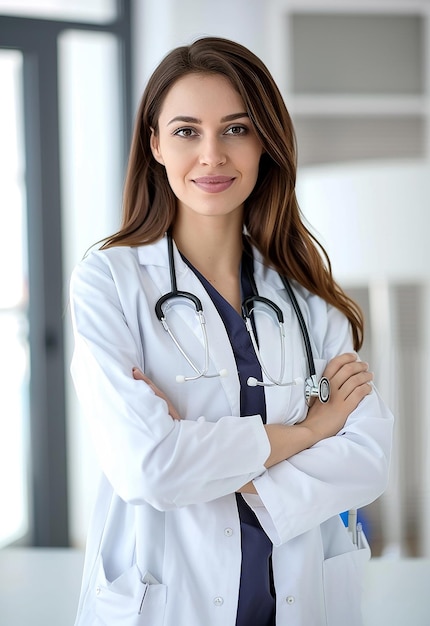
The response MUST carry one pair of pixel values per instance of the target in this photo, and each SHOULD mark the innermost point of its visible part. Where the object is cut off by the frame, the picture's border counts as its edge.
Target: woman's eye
(236, 130)
(185, 132)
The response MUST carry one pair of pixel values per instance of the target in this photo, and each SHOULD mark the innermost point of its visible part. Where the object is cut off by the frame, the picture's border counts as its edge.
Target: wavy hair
(272, 217)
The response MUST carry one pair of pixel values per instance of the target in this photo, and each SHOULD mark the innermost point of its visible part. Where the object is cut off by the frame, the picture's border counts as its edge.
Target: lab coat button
(228, 532)
(218, 601)
(290, 599)
(98, 591)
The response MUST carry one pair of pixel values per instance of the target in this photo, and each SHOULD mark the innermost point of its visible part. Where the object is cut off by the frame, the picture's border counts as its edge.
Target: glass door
(64, 127)
(15, 351)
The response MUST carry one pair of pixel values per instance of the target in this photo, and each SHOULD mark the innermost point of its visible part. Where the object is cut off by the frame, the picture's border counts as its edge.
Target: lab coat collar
(156, 254)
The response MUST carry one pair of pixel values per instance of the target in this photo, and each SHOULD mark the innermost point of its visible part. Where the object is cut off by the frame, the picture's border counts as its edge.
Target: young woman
(225, 458)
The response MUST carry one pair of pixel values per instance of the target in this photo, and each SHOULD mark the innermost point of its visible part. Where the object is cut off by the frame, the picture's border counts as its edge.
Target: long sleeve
(341, 472)
(146, 455)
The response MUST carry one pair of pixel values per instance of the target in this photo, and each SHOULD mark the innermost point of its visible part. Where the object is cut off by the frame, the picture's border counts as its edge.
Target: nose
(212, 152)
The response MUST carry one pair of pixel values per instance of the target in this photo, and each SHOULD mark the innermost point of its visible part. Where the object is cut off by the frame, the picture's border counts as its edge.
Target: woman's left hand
(139, 375)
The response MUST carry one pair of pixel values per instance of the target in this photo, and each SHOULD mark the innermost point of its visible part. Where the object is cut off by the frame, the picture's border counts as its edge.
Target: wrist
(309, 434)
(286, 441)
(318, 423)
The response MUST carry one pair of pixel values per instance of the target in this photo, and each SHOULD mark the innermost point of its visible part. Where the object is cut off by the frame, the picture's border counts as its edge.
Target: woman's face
(207, 144)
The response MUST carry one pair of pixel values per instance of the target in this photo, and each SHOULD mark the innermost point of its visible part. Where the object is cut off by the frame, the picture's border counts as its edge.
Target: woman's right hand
(349, 384)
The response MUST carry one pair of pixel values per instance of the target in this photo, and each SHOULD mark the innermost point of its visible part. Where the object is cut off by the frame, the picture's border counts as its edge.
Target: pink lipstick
(213, 184)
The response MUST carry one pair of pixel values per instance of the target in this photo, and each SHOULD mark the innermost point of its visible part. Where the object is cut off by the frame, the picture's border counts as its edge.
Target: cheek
(180, 168)
(255, 165)
(253, 154)
(176, 176)
(176, 160)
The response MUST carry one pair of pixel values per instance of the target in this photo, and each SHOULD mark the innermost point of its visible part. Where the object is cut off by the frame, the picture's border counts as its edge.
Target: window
(65, 99)
(14, 353)
(79, 10)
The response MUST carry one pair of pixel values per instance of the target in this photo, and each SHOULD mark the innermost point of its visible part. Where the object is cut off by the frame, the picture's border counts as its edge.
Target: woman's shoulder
(269, 275)
(311, 299)
(113, 258)
(317, 310)
(105, 260)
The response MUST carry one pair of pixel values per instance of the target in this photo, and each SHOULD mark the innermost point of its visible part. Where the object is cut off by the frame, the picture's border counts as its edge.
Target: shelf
(363, 106)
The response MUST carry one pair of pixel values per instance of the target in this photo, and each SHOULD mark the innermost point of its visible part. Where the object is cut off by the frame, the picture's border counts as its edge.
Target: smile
(213, 184)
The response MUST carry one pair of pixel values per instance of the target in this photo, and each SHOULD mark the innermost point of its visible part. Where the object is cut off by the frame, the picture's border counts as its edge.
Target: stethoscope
(313, 388)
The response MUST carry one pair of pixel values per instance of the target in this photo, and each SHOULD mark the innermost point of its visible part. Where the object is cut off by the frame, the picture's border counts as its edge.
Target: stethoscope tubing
(312, 388)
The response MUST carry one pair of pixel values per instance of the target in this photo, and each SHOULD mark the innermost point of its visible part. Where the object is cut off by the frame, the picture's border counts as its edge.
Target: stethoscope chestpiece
(320, 390)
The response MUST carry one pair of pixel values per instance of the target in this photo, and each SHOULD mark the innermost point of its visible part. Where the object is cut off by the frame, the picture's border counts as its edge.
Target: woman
(219, 499)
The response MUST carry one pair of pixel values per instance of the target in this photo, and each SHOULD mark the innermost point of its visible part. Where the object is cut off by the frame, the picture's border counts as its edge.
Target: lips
(214, 184)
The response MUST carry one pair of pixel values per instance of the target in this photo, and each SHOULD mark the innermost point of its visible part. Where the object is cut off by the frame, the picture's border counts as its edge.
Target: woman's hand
(139, 375)
(349, 384)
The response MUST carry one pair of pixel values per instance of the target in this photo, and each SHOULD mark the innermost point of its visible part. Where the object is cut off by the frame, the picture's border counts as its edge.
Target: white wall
(374, 218)
(161, 25)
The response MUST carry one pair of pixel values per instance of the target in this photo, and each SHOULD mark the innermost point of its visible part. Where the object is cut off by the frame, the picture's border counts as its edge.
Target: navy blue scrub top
(256, 605)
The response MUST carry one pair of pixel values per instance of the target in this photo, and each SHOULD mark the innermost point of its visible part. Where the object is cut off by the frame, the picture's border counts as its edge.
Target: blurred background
(355, 75)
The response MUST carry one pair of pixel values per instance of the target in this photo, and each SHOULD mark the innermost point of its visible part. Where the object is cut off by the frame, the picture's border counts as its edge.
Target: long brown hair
(272, 217)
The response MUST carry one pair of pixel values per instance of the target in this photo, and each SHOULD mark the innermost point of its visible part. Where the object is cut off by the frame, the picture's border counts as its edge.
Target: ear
(154, 142)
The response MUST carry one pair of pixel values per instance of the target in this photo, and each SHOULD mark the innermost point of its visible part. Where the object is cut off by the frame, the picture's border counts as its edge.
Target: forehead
(195, 94)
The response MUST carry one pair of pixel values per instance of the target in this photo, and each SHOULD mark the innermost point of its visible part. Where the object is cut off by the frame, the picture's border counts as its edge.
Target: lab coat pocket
(130, 600)
(343, 576)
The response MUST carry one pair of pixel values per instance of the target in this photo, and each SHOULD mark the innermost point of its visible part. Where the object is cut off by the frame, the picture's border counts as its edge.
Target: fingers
(350, 381)
(346, 372)
(357, 379)
(350, 376)
(139, 375)
(333, 366)
(172, 411)
(358, 393)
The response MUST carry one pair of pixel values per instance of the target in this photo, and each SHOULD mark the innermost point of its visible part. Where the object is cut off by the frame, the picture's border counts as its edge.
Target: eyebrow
(194, 120)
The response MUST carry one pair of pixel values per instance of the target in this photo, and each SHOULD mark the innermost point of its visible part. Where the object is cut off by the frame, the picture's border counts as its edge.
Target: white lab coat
(164, 544)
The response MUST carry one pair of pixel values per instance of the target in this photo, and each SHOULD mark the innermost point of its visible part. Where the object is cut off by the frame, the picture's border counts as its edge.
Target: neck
(213, 246)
